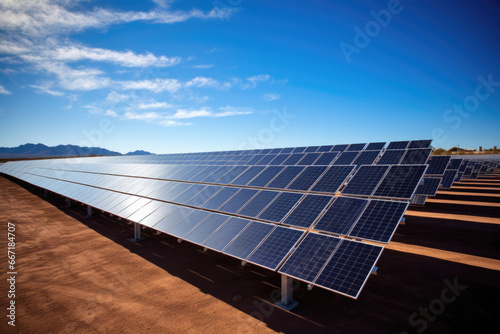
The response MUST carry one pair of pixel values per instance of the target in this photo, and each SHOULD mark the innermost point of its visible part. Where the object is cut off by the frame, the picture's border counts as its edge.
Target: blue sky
(184, 76)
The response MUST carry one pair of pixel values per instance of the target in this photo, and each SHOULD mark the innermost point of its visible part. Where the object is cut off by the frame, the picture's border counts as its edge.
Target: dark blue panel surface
(284, 178)
(274, 249)
(308, 210)
(238, 200)
(349, 267)
(188, 223)
(248, 240)
(429, 187)
(398, 145)
(416, 156)
(356, 147)
(223, 236)
(437, 165)
(309, 257)
(232, 174)
(326, 158)
(341, 215)
(401, 181)
(201, 232)
(293, 159)
(391, 157)
(266, 176)
(346, 158)
(258, 203)
(379, 220)
(332, 179)
(218, 199)
(248, 175)
(307, 178)
(366, 158)
(375, 146)
(365, 180)
(420, 143)
(280, 207)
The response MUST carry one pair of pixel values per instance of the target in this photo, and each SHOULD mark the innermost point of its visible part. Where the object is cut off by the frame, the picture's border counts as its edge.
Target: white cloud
(153, 117)
(154, 85)
(254, 80)
(111, 113)
(127, 59)
(4, 91)
(115, 97)
(8, 47)
(154, 105)
(270, 97)
(47, 88)
(203, 66)
(202, 82)
(45, 17)
(207, 112)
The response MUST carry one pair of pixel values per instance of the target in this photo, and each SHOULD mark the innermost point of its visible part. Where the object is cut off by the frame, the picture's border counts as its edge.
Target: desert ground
(439, 274)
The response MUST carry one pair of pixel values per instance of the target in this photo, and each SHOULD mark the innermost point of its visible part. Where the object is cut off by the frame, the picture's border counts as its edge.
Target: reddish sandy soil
(78, 275)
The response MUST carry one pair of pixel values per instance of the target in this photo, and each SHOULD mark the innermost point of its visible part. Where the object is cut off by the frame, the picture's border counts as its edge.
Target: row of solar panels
(337, 264)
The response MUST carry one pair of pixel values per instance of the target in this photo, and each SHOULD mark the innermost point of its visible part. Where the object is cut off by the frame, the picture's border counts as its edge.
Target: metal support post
(68, 202)
(287, 301)
(89, 211)
(137, 232)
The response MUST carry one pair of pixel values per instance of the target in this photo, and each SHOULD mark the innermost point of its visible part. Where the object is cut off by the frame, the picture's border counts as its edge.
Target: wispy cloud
(203, 66)
(155, 105)
(127, 59)
(111, 113)
(46, 88)
(270, 97)
(4, 91)
(154, 85)
(153, 117)
(252, 81)
(207, 112)
(45, 17)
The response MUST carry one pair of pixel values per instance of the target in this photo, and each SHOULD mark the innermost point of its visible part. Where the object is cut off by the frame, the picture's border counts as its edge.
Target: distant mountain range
(42, 151)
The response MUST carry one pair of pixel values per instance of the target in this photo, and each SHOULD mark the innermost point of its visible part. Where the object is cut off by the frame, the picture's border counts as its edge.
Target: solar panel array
(305, 212)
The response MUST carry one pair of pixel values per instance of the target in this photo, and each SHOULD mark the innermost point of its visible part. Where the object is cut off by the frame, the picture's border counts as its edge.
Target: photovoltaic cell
(416, 156)
(366, 158)
(398, 145)
(379, 221)
(278, 159)
(332, 179)
(231, 175)
(201, 232)
(346, 158)
(429, 187)
(401, 181)
(365, 181)
(309, 257)
(309, 159)
(375, 146)
(223, 236)
(258, 203)
(448, 178)
(188, 223)
(248, 175)
(326, 158)
(218, 199)
(238, 200)
(455, 164)
(341, 215)
(204, 195)
(350, 266)
(285, 177)
(308, 210)
(420, 143)
(437, 165)
(391, 157)
(266, 176)
(280, 207)
(276, 246)
(265, 160)
(293, 159)
(248, 240)
(307, 178)
(340, 148)
(356, 147)
(172, 219)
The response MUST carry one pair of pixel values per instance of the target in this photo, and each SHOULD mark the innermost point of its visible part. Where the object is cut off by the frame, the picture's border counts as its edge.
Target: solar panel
(366, 180)
(293, 159)
(349, 267)
(309, 257)
(258, 203)
(309, 159)
(275, 247)
(448, 178)
(356, 147)
(398, 145)
(227, 232)
(266, 176)
(366, 158)
(416, 156)
(429, 187)
(201, 232)
(346, 158)
(375, 146)
(326, 158)
(307, 178)
(232, 174)
(332, 179)
(248, 240)
(308, 210)
(278, 159)
(188, 223)
(247, 176)
(341, 215)
(400, 181)
(286, 176)
(280, 207)
(437, 165)
(379, 220)
(391, 157)
(235, 203)
(219, 198)
(420, 143)
(455, 164)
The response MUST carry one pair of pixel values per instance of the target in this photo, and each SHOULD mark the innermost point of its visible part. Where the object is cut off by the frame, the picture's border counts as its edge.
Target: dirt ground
(440, 274)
